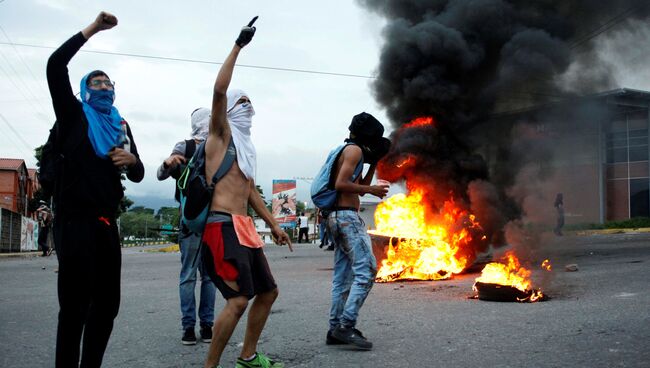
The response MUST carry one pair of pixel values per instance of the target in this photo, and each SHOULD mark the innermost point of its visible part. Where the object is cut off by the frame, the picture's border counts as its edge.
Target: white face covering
(200, 123)
(240, 118)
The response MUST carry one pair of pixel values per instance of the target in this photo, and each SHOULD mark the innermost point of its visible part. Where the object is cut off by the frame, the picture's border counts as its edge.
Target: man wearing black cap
(355, 266)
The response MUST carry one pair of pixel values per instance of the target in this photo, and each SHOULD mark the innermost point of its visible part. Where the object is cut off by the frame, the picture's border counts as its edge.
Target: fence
(17, 233)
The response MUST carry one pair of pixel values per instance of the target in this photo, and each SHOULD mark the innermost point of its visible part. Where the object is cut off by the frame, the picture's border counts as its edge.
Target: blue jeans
(190, 244)
(325, 237)
(355, 267)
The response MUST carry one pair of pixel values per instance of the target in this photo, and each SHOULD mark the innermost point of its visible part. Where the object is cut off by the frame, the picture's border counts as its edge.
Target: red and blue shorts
(225, 259)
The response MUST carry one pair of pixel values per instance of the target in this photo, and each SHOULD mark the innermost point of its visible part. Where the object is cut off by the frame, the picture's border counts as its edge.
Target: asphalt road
(597, 317)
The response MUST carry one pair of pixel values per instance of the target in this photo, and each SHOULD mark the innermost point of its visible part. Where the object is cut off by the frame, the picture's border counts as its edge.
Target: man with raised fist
(93, 147)
(232, 249)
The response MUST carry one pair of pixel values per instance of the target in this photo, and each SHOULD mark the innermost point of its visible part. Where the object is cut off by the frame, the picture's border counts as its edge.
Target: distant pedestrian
(322, 230)
(96, 148)
(355, 266)
(190, 242)
(303, 228)
(44, 216)
(559, 209)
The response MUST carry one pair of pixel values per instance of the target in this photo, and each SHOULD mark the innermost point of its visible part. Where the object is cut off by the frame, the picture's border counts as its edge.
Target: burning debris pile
(422, 245)
(446, 68)
(508, 281)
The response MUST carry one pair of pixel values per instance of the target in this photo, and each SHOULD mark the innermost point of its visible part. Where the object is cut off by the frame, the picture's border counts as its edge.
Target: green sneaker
(260, 360)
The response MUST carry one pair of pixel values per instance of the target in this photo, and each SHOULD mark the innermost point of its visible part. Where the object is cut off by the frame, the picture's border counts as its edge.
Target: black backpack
(56, 150)
(195, 192)
(190, 148)
(50, 163)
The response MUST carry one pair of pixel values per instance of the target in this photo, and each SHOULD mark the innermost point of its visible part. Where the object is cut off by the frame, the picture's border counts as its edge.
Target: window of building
(616, 155)
(625, 145)
(639, 198)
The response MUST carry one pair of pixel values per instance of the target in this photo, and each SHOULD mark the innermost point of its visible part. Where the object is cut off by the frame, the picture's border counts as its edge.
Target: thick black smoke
(456, 59)
(463, 61)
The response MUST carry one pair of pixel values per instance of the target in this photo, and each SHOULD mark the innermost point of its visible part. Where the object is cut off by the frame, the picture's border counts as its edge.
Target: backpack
(195, 192)
(323, 193)
(190, 148)
(53, 154)
(50, 163)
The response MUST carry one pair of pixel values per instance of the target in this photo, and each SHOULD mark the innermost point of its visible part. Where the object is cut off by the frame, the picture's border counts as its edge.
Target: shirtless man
(233, 257)
(355, 266)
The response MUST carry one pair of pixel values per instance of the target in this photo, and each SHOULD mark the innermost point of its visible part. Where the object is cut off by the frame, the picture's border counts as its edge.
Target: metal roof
(621, 96)
(11, 163)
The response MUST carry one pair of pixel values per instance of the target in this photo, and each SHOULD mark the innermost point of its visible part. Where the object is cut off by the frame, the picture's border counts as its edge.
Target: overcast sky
(299, 117)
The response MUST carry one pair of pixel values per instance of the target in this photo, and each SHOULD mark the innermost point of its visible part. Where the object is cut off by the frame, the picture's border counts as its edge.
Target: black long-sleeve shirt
(89, 185)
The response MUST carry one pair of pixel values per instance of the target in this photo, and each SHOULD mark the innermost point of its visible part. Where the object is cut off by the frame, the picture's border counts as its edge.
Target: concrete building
(593, 149)
(14, 185)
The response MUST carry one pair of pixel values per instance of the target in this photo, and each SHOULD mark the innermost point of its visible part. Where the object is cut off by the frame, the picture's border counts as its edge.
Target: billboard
(28, 234)
(284, 202)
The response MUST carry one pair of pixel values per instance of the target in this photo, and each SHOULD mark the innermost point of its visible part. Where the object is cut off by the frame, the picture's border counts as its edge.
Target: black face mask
(362, 143)
(372, 151)
(369, 156)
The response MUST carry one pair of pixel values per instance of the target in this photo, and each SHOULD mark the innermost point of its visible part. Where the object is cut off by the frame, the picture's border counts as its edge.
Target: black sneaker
(206, 333)
(331, 340)
(351, 336)
(189, 338)
(331, 247)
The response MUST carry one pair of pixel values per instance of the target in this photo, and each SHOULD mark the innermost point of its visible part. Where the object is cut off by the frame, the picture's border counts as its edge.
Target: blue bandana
(104, 121)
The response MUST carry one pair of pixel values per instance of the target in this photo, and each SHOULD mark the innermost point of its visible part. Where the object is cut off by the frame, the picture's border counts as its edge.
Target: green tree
(139, 224)
(300, 207)
(170, 215)
(142, 209)
(39, 196)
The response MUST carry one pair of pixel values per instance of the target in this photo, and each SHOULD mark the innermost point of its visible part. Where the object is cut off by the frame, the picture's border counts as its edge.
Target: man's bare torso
(232, 191)
(346, 199)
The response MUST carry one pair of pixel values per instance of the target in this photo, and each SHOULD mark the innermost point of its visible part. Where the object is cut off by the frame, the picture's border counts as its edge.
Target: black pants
(301, 232)
(42, 238)
(90, 261)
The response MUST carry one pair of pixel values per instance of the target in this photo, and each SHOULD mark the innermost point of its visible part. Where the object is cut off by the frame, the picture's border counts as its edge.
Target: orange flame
(510, 273)
(422, 245)
(546, 265)
(407, 161)
(419, 122)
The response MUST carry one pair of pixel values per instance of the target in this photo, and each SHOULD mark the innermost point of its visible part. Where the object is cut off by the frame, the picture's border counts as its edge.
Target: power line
(29, 149)
(20, 57)
(22, 93)
(197, 61)
(607, 25)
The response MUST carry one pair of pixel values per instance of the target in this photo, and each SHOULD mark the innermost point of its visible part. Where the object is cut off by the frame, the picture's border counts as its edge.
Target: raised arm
(218, 122)
(58, 80)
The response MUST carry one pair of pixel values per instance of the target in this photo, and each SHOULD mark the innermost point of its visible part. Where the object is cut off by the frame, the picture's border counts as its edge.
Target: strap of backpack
(190, 148)
(226, 164)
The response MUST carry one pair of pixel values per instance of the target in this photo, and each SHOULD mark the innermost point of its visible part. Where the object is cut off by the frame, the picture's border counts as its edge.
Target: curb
(642, 230)
(159, 242)
(31, 254)
(21, 255)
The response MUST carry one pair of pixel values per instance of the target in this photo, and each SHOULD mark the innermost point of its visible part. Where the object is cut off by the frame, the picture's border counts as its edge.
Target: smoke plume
(463, 61)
